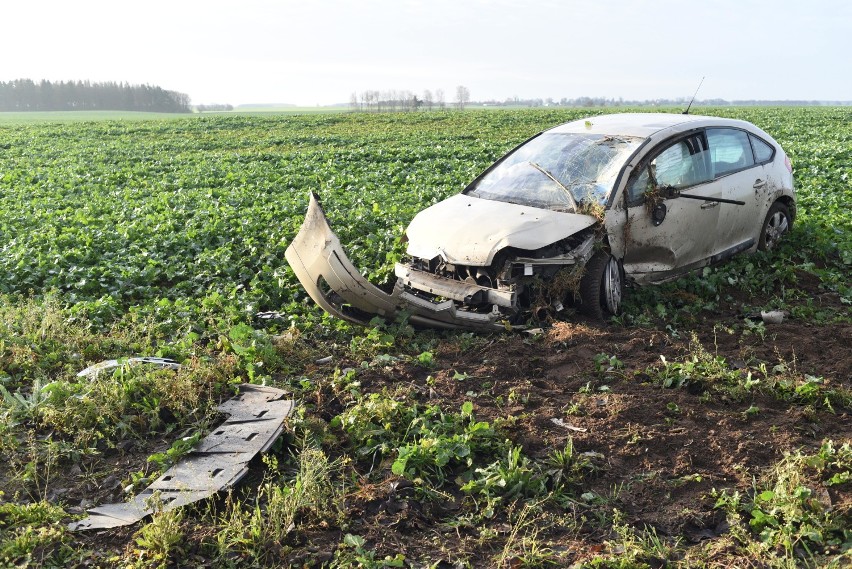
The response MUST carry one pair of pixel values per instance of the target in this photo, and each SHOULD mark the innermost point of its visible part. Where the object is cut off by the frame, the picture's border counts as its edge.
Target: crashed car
(573, 214)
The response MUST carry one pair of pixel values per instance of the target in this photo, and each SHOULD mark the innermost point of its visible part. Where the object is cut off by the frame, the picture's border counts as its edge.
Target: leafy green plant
(605, 363)
(373, 424)
(426, 360)
(566, 467)
(31, 546)
(179, 449)
(19, 406)
(512, 476)
(355, 553)
(35, 513)
(442, 442)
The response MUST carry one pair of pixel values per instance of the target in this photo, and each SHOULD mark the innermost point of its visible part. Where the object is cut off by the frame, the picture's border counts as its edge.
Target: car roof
(642, 125)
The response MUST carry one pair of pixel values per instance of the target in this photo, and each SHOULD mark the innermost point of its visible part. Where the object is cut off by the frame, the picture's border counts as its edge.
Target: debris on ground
(93, 371)
(559, 422)
(218, 462)
(773, 316)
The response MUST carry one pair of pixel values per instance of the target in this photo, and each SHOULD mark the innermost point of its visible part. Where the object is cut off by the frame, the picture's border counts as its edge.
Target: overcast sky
(318, 52)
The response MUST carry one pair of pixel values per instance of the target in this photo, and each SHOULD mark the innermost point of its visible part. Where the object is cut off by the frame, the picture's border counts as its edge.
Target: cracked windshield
(557, 171)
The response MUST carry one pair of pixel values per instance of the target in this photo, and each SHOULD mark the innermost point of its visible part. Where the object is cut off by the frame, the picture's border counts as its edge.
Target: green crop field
(412, 448)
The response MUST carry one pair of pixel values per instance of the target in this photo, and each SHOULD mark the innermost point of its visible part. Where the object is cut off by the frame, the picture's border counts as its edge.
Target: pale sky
(319, 52)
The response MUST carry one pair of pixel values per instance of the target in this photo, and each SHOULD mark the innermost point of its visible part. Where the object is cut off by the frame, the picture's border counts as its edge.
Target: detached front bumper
(334, 283)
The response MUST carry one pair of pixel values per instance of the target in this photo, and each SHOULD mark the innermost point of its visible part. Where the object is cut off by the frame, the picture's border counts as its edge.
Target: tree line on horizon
(404, 100)
(28, 95)
(394, 100)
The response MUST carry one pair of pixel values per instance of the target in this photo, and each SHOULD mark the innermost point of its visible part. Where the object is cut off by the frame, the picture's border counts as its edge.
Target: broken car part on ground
(572, 214)
(93, 371)
(219, 461)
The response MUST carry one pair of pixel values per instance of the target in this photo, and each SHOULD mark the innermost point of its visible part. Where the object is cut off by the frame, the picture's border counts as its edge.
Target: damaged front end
(515, 281)
(437, 292)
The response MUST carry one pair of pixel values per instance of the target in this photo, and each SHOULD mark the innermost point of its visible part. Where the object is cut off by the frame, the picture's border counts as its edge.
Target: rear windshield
(541, 172)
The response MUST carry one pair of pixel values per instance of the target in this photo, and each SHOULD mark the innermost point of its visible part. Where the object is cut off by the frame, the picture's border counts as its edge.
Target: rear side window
(762, 151)
(730, 150)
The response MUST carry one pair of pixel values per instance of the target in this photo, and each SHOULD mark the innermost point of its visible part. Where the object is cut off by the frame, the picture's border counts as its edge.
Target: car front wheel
(602, 287)
(777, 223)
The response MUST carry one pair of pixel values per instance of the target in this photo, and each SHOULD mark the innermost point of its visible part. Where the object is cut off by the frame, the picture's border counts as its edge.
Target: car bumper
(333, 282)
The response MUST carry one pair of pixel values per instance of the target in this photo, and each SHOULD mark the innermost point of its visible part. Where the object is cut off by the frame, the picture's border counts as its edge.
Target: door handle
(759, 183)
(708, 205)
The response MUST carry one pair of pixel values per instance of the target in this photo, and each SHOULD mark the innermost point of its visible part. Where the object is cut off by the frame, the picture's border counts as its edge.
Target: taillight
(788, 164)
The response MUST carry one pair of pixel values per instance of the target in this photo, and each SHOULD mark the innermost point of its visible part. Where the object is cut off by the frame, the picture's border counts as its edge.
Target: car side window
(680, 165)
(763, 151)
(670, 164)
(730, 150)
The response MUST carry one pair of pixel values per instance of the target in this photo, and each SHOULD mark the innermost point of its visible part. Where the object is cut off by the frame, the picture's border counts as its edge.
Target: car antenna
(686, 112)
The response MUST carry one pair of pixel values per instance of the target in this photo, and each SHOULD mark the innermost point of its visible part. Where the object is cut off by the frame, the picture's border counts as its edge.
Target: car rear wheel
(777, 223)
(602, 287)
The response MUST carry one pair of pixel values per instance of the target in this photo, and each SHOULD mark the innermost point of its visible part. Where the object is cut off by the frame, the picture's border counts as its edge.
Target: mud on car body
(575, 212)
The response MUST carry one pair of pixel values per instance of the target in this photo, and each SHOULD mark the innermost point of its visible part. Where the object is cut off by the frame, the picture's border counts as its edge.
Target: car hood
(470, 231)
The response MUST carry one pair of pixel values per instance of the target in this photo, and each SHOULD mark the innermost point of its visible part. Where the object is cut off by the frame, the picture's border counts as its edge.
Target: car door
(665, 237)
(739, 178)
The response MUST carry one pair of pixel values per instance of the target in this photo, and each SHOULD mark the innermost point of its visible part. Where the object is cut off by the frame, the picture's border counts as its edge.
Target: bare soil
(660, 451)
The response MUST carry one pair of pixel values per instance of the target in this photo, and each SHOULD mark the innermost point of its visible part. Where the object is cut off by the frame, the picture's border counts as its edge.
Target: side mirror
(670, 192)
(658, 214)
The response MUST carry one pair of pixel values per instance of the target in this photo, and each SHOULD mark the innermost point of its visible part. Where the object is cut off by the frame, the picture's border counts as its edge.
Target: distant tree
(439, 98)
(462, 97)
(372, 100)
(427, 99)
(410, 102)
(214, 107)
(26, 95)
(353, 101)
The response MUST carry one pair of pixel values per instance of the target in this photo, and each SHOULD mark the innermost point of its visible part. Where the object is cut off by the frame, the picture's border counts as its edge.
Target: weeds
(790, 510)
(513, 476)
(31, 535)
(355, 553)
(159, 540)
(566, 467)
(263, 530)
(702, 371)
(523, 547)
(634, 549)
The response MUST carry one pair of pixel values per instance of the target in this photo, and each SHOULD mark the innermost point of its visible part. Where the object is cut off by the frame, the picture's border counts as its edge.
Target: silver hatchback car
(572, 214)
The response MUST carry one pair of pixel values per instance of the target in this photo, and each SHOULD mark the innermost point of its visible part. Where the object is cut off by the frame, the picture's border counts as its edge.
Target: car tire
(602, 287)
(777, 223)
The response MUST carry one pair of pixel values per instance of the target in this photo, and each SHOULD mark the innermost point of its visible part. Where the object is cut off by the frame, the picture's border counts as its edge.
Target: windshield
(544, 171)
